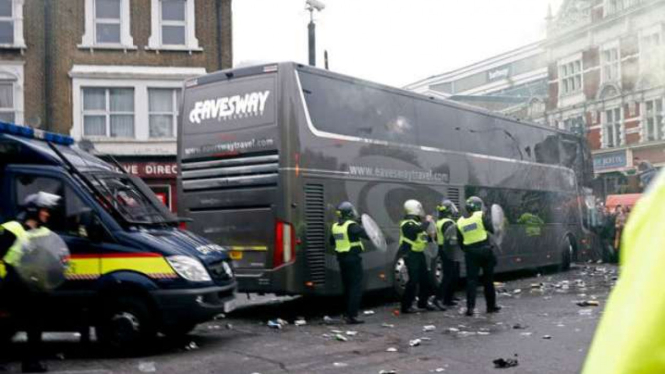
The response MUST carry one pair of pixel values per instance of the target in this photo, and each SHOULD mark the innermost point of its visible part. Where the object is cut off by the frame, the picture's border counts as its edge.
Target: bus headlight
(189, 268)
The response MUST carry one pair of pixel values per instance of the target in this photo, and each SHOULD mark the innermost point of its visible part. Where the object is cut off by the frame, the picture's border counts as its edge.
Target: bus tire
(400, 275)
(125, 325)
(568, 252)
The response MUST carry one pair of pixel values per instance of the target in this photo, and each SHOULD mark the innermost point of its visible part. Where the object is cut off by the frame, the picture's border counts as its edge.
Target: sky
(394, 42)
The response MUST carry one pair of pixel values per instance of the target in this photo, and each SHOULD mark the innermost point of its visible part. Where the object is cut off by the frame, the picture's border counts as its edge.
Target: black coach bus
(266, 153)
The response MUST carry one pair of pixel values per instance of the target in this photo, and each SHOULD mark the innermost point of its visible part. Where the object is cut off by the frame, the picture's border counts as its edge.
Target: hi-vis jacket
(15, 252)
(630, 338)
(343, 243)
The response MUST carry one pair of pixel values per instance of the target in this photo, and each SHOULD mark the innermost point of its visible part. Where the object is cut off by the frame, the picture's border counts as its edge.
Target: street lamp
(313, 5)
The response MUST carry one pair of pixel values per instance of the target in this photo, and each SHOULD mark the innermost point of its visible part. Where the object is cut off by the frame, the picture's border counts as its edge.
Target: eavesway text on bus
(250, 104)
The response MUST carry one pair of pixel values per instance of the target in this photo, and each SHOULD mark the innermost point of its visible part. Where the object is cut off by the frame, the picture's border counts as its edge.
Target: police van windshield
(129, 200)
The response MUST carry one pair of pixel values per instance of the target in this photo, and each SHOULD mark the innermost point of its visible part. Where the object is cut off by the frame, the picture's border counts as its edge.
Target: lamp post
(313, 5)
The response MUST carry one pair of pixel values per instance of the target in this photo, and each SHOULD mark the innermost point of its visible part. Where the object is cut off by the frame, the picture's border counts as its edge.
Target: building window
(11, 24)
(571, 77)
(7, 111)
(653, 119)
(652, 50)
(163, 104)
(574, 124)
(173, 25)
(610, 64)
(108, 112)
(612, 128)
(107, 24)
(614, 6)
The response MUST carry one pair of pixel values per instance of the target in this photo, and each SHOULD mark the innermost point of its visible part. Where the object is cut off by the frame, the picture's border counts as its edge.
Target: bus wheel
(400, 275)
(126, 325)
(567, 253)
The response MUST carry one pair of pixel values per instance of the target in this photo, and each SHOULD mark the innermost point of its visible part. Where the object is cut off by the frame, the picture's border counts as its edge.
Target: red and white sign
(151, 169)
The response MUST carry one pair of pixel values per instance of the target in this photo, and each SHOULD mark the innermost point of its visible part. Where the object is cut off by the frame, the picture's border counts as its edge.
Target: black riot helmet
(474, 204)
(446, 209)
(346, 210)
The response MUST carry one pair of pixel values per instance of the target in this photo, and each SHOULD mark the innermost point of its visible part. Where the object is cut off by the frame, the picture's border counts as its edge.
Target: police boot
(439, 305)
(34, 366)
(354, 321)
(494, 309)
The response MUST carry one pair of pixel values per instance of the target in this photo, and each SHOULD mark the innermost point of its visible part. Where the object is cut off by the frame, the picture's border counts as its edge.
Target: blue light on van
(28, 132)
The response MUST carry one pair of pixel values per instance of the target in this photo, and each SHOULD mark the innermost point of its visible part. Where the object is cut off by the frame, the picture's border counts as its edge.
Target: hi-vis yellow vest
(417, 245)
(472, 228)
(439, 229)
(341, 235)
(630, 338)
(15, 252)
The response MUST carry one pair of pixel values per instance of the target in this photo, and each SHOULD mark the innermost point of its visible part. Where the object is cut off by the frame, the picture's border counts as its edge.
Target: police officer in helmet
(23, 302)
(346, 235)
(474, 229)
(445, 225)
(413, 242)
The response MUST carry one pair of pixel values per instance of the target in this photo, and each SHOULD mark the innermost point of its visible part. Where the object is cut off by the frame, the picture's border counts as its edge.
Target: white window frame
(155, 40)
(175, 113)
(616, 6)
(89, 40)
(13, 72)
(17, 20)
(141, 78)
(647, 54)
(646, 116)
(613, 126)
(107, 113)
(565, 80)
(606, 66)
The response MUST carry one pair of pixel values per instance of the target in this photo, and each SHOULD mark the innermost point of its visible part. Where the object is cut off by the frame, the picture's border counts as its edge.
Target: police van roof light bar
(30, 133)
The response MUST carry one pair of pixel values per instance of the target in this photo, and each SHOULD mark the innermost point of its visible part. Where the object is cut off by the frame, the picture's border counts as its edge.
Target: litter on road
(501, 363)
(428, 328)
(415, 342)
(368, 312)
(352, 333)
(588, 303)
(341, 338)
(388, 325)
(391, 349)
(547, 337)
(388, 372)
(147, 367)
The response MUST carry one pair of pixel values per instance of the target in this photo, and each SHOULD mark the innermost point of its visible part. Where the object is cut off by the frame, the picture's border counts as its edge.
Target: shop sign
(502, 72)
(611, 160)
(151, 169)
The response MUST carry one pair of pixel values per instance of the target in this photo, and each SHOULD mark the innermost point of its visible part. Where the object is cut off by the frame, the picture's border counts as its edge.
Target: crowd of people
(609, 223)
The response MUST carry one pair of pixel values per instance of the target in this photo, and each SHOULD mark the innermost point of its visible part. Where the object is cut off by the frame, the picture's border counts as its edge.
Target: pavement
(541, 326)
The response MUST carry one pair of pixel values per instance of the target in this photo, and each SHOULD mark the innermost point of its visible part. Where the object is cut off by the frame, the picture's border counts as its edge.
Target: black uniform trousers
(26, 307)
(477, 258)
(416, 264)
(351, 269)
(451, 269)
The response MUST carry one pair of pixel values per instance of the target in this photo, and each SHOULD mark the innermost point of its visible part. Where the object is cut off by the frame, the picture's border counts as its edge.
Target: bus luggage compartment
(247, 232)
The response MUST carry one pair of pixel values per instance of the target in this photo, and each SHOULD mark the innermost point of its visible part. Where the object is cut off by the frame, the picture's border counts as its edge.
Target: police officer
(445, 224)
(474, 228)
(413, 242)
(346, 236)
(22, 301)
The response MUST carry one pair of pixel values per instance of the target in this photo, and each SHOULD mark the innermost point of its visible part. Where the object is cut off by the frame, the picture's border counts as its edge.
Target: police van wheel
(400, 275)
(125, 326)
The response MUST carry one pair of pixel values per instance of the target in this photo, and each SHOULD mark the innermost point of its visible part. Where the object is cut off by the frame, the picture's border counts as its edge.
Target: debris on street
(327, 320)
(415, 342)
(340, 364)
(519, 326)
(341, 338)
(547, 337)
(391, 349)
(588, 303)
(388, 325)
(300, 322)
(368, 312)
(585, 312)
(352, 333)
(428, 328)
(192, 346)
(147, 367)
(501, 363)
(388, 372)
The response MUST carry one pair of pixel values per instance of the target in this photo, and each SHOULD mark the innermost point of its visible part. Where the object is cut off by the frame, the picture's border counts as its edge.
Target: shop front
(160, 175)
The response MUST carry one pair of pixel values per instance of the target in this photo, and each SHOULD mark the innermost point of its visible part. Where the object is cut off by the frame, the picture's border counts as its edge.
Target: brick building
(600, 72)
(607, 74)
(110, 71)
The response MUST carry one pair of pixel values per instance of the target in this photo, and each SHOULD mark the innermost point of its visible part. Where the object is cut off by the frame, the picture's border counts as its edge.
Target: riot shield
(44, 262)
(374, 232)
(498, 223)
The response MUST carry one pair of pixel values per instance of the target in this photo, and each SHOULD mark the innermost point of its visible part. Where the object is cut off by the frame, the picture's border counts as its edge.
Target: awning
(624, 200)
